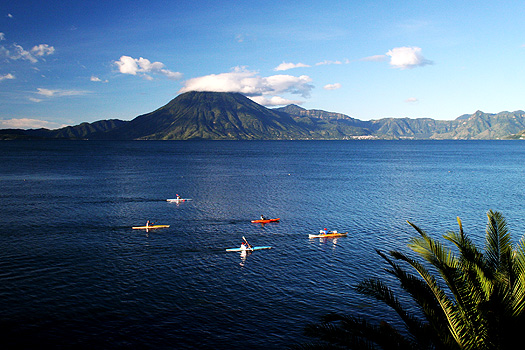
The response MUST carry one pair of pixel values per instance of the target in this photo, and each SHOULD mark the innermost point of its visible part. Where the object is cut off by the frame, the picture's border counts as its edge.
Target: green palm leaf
(468, 298)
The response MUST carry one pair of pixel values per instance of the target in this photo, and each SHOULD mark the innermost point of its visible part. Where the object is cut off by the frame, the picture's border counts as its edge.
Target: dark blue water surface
(73, 274)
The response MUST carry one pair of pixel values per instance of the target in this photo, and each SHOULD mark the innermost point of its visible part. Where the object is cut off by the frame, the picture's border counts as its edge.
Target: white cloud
(407, 57)
(243, 37)
(288, 83)
(128, 65)
(97, 79)
(171, 75)
(239, 80)
(376, 58)
(274, 101)
(251, 84)
(2, 36)
(332, 86)
(18, 52)
(27, 123)
(326, 62)
(239, 38)
(60, 93)
(43, 50)
(411, 100)
(7, 76)
(9, 15)
(286, 66)
(46, 92)
(143, 67)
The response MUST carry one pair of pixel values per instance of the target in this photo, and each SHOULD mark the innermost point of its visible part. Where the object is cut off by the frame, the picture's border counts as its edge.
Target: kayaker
(324, 232)
(262, 217)
(245, 245)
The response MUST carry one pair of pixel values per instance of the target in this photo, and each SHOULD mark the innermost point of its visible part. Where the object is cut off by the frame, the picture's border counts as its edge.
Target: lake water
(73, 274)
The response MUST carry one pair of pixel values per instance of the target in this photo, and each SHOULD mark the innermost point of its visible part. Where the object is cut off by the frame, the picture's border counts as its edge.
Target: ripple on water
(73, 272)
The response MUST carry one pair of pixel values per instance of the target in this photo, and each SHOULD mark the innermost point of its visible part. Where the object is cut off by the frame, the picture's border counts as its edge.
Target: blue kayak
(247, 249)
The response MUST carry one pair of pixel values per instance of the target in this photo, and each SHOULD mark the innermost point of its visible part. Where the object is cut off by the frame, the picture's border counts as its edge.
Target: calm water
(74, 274)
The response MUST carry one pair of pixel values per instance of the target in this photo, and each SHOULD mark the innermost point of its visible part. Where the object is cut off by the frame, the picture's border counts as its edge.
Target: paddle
(249, 245)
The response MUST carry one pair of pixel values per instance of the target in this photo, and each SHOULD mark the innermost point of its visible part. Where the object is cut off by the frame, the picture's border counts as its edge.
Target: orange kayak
(265, 221)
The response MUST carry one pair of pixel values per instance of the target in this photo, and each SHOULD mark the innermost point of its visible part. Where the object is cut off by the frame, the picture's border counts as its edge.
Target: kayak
(265, 221)
(247, 249)
(150, 227)
(329, 235)
(179, 200)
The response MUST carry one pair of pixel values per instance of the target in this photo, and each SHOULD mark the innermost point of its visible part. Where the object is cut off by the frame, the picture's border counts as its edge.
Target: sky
(68, 62)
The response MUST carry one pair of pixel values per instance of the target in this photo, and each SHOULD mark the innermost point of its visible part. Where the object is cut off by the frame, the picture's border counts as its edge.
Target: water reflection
(328, 241)
(244, 254)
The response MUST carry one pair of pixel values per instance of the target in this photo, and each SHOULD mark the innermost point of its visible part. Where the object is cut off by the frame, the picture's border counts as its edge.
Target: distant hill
(232, 116)
(518, 136)
(210, 115)
(487, 126)
(327, 125)
(16, 134)
(477, 126)
(482, 126)
(81, 131)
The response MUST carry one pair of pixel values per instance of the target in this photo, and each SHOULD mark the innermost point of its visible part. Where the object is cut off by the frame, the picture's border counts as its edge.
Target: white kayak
(247, 249)
(178, 200)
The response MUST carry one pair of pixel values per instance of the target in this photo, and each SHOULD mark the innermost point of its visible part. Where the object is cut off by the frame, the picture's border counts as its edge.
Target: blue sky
(68, 62)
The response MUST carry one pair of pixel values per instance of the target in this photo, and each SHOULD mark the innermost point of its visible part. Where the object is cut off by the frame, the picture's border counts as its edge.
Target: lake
(74, 274)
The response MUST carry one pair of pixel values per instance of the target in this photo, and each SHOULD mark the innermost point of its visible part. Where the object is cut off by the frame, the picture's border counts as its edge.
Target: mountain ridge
(208, 115)
(233, 116)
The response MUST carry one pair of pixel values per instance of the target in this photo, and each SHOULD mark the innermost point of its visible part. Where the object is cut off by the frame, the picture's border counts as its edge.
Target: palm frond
(473, 299)
(455, 321)
(357, 333)
(378, 290)
(471, 265)
(518, 302)
(442, 258)
(498, 249)
(425, 299)
(462, 277)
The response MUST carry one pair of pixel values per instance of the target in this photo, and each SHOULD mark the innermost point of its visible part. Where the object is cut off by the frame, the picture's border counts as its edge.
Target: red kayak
(265, 221)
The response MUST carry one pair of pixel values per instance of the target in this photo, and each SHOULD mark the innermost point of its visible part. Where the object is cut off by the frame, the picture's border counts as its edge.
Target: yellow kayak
(150, 227)
(329, 235)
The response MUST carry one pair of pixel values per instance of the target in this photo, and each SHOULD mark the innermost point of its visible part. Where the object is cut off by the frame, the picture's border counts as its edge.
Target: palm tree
(475, 301)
